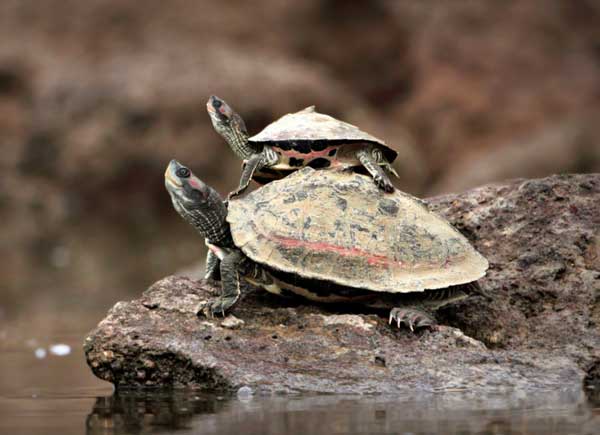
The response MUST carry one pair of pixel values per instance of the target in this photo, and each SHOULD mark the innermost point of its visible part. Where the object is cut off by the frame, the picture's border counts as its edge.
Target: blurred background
(97, 96)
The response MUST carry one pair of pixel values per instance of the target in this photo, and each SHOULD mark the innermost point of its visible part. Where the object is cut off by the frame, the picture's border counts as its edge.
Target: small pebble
(40, 353)
(232, 322)
(245, 392)
(60, 349)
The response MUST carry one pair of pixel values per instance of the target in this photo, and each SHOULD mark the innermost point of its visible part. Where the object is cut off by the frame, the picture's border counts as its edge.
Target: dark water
(57, 394)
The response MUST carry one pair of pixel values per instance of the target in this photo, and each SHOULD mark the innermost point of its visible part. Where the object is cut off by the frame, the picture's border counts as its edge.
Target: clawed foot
(414, 319)
(384, 183)
(214, 307)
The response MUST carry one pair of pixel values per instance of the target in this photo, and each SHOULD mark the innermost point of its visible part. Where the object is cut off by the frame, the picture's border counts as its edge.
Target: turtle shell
(308, 125)
(337, 226)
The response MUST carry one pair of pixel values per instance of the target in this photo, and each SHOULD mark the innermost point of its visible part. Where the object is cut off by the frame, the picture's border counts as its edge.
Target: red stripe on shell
(373, 259)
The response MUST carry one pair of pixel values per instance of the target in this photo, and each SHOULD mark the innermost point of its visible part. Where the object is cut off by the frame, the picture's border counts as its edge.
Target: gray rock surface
(542, 238)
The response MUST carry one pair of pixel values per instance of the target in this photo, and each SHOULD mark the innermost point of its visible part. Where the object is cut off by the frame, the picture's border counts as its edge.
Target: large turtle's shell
(337, 226)
(308, 125)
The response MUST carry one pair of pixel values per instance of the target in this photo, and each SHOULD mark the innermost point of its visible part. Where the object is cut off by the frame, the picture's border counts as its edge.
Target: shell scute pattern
(336, 226)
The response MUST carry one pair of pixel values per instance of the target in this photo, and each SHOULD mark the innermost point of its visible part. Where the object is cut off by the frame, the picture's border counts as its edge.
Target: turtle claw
(384, 183)
(391, 170)
(218, 306)
(414, 319)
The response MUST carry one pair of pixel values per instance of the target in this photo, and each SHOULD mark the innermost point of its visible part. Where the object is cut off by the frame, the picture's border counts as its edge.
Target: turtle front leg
(212, 270)
(370, 158)
(230, 267)
(411, 317)
(390, 169)
(267, 157)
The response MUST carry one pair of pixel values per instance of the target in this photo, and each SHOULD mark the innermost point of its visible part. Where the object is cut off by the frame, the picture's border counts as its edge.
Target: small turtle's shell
(337, 226)
(308, 125)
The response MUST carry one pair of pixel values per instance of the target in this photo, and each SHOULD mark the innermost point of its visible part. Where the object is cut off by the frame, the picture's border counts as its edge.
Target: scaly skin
(231, 126)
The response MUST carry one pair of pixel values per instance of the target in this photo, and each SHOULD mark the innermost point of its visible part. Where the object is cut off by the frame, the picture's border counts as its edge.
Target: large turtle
(330, 236)
(304, 138)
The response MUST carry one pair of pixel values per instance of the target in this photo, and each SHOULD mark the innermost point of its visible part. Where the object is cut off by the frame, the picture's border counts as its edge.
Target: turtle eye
(183, 173)
(216, 103)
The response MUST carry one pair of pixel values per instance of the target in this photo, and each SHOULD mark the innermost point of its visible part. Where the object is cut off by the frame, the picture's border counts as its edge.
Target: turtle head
(230, 125)
(198, 203)
(185, 186)
(220, 113)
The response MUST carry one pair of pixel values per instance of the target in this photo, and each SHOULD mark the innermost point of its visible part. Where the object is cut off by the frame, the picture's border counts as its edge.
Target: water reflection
(142, 412)
(450, 413)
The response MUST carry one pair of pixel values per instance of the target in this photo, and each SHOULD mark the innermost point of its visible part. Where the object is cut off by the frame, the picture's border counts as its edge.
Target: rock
(540, 330)
(231, 322)
(283, 349)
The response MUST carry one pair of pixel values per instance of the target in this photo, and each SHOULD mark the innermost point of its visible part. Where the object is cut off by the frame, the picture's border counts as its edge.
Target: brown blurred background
(97, 96)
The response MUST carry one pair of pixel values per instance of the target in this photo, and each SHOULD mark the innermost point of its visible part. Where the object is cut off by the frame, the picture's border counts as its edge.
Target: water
(446, 414)
(57, 394)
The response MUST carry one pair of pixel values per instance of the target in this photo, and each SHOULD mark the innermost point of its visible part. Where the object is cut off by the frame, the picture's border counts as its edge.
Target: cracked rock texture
(542, 238)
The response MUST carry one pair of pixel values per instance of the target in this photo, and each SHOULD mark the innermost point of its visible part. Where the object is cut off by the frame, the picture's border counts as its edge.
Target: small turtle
(330, 236)
(304, 138)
